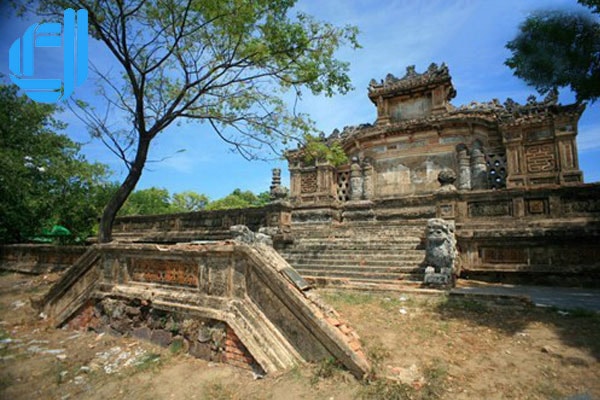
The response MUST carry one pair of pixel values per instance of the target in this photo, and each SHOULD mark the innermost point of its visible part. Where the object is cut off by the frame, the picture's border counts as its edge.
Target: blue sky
(468, 35)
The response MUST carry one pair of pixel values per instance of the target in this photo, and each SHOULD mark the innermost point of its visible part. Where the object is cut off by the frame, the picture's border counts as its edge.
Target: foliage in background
(239, 199)
(158, 201)
(148, 202)
(44, 180)
(189, 201)
(559, 49)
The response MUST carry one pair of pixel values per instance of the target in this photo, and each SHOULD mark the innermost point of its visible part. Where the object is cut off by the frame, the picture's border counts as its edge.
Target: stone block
(161, 337)
(143, 333)
(201, 350)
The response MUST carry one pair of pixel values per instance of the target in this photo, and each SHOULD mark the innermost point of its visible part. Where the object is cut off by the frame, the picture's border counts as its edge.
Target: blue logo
(75, 55)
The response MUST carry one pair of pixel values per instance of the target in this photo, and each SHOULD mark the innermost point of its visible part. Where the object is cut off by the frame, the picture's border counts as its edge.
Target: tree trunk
(128, 185)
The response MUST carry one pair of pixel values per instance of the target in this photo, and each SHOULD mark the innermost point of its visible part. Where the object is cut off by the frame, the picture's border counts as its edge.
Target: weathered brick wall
(201, 225)
(235, 353)
(38, 258)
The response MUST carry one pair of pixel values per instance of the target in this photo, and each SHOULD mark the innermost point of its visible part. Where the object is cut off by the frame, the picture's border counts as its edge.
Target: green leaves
(154, 201)
(44, 180)
(317, 149)
(558, 49)
(226, 63)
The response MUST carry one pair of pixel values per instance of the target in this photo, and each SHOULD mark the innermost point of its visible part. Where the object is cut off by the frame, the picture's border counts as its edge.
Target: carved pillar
(478, 169)
(567, 158)
(356, 180)
(464, 168)
(512, 138)
(368, 189)
(295, 182)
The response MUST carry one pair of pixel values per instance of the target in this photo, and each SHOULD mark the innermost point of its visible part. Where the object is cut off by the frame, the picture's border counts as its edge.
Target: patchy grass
(389, 390)
(219, 391)
(465, 304)
(348, 297)
(148, 361)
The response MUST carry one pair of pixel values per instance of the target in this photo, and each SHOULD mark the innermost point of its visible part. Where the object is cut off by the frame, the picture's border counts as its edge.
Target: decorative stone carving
(441, 254)
(356, 180)
(243, 234)
(478, 168)
(446, 178)
(277, 192)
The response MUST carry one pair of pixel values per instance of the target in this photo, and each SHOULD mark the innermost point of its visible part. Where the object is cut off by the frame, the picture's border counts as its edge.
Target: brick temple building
(418, 134)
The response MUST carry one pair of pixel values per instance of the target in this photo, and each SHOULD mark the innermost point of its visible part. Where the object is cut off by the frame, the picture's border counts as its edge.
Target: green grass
(348, 297)
(389, 390)
(148, 361)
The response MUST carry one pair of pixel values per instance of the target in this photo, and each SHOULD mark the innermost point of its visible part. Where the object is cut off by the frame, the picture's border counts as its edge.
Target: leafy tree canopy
(559, 49)
(226, 63)
(44, 180)
(158, 201)
(316, 148)
(189, 201)
(148, 202)
(239, 199)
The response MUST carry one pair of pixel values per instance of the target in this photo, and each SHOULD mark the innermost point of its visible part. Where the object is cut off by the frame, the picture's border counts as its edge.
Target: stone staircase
(358, 254)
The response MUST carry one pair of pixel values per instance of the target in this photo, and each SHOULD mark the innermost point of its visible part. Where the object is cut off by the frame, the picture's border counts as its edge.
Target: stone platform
(247, 295)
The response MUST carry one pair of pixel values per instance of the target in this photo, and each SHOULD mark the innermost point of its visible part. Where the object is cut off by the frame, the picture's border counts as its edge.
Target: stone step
(359, 268)
(351, 246)
(380, 254)
(366, 242)
(361, 276)
(344, 262)
(407, 223)
(396, 235)
(354, 255)
(409, 280)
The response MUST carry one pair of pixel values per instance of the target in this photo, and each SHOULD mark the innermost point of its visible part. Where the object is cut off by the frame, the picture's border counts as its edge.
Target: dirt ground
(431, 346)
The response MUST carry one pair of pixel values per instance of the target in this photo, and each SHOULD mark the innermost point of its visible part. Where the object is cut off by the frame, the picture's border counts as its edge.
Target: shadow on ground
(576, 328)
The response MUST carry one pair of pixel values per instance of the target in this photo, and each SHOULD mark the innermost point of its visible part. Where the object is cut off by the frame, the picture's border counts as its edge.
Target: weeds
(326, 369)
(435, 378)
(388, 390)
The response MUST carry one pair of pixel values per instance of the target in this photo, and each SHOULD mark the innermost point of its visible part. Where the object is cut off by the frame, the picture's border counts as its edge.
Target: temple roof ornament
(411, 81)
(436, 81)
